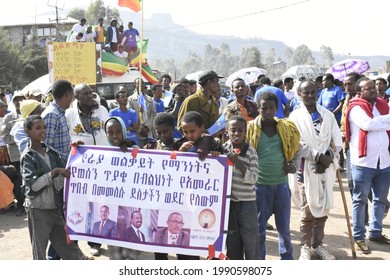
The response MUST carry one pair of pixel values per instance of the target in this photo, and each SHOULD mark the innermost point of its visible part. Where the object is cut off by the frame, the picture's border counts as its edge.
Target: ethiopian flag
(134, 57)
(113, 65)
(134, 5)
(148, 74)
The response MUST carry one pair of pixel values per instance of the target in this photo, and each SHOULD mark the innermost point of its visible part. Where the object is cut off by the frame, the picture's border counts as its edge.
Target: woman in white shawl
(321, 142)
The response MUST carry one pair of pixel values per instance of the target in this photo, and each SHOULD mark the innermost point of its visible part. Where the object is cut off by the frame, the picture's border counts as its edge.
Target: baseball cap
(207, 75)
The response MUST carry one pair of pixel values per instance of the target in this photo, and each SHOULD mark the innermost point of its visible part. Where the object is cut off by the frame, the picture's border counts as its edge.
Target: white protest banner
(149, 200)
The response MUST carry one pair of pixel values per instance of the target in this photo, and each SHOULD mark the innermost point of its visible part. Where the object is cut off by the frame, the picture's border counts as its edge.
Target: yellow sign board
(75, 62)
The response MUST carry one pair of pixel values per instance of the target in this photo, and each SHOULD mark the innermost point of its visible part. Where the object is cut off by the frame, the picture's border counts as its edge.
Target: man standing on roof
(130, 39)
(100, 33)
(79, 28)
(112, 35)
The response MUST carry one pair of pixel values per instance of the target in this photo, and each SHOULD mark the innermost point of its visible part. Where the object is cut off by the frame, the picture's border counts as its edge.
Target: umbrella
(42, 83)
(342, 68)
(249, 75)
(304, 70)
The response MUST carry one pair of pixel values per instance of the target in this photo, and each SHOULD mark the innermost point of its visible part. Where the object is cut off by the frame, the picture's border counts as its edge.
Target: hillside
(169, 40)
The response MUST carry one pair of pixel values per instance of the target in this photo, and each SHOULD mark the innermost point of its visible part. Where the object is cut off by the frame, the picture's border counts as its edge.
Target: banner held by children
(181, 202)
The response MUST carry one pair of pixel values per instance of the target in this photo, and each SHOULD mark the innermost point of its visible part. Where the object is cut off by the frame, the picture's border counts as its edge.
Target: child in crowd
(128, 115)
(178, 96)
(195, 141)
(164, 124)
(43, 173)
(243, 235)
(116, 131)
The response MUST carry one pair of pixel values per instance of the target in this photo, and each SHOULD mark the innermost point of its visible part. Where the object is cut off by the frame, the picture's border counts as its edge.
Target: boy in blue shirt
(157, 94)
(128, 115)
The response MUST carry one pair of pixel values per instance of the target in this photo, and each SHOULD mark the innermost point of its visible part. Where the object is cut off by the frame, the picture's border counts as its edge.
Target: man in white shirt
(79, 28)
(368, 132)
(288, 84)
(121, 52)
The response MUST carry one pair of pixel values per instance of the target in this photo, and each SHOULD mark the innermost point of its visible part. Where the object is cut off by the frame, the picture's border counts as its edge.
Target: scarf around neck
(367, 107)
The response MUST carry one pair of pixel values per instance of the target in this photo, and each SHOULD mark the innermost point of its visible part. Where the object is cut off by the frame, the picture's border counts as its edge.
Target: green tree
(191, 64)
(77, 13)
(270, 58)
(210, 57)
(113, 13)
(11, 66)
(302, 55)
(273, 70)
(250, 57)
(288, 53)
(225, 49)
(326, 56)
(225, 61)
(167, 66)
(96, 10)
(34, 59)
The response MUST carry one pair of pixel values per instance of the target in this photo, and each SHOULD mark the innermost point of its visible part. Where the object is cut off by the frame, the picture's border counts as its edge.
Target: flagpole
(140, 49)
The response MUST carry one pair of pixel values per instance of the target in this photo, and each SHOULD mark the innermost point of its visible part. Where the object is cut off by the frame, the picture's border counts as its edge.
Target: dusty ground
(15, 244)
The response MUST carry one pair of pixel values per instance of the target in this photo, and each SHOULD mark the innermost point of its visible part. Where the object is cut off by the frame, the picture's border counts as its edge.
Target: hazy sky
(347, 26)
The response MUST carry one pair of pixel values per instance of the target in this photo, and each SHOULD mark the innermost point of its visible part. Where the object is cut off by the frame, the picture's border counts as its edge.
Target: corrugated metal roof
(35, 20)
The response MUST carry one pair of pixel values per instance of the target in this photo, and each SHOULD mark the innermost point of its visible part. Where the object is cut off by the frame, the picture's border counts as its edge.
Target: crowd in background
(282, 128)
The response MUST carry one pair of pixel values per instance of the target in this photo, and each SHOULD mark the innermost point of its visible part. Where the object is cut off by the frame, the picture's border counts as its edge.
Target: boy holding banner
(243, 236)
(164, 124)
(195, 141)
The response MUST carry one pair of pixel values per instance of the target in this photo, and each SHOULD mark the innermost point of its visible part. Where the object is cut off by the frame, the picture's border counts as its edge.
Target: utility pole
(57, 19)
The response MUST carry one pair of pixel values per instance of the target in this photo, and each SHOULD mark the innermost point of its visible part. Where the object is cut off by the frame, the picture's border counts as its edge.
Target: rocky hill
(170, 40)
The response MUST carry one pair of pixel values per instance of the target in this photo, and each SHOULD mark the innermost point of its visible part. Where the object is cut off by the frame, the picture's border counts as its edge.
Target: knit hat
(28, 106)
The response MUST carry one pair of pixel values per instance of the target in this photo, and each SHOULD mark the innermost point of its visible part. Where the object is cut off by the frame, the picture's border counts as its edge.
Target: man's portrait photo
(173, 234)
(133, 233)
(104, 227)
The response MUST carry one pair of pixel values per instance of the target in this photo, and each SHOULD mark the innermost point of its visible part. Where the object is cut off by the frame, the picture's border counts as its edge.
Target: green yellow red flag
(134, 5)
(113, 65)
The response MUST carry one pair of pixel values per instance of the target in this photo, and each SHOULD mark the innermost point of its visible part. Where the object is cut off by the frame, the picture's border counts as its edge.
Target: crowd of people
(113, 39)
(275, 134)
